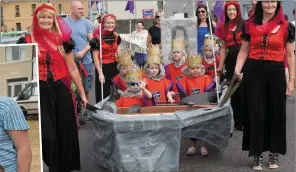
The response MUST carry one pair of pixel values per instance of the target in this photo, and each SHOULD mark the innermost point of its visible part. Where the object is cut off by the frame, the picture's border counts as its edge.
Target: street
(232, 159)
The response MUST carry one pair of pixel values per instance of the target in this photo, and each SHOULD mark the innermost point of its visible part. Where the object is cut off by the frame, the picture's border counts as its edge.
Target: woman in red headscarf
(57, 69)
(230, 34)
(110, 43)
(266, 37)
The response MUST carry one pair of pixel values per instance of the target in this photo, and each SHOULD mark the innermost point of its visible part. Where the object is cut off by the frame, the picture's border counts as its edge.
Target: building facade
(17, 15)
(16, 68)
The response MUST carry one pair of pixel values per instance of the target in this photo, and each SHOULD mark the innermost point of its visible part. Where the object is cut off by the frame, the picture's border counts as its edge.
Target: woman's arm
(20, 140)
(291, 67)
(223, 52)
(74, 74)
(149, 40)
(242, 57)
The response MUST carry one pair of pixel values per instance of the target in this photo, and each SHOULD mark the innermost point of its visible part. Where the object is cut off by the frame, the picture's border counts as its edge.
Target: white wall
(118, 8)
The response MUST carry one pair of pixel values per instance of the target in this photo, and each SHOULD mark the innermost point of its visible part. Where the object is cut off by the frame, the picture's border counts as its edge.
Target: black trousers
(109, 71)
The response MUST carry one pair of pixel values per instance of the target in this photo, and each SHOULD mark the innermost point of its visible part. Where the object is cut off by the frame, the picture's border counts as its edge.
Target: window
(1, 16)
(5, 28)
(15, 53)
(18, 27)
(60, 8)
(15, 86)
(29, 90)
(17, 11)
(33, 6)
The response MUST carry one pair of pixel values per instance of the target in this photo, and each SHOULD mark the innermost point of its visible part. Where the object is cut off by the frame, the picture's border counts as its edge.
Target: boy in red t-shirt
(136, 93)
(208, 54)
(124, 63)
(157, 84)
(195, 82)
(173, 71)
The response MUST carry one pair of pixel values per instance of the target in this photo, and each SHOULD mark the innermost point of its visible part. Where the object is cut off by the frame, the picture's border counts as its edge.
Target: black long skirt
(265, 107)
(236, 98)
(60, 143)
(109, 71)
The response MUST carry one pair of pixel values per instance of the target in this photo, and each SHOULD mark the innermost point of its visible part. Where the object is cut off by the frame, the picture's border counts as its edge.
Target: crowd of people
(256, 50)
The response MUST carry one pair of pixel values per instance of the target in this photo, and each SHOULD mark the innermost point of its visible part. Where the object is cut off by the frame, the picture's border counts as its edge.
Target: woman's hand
(172, 93)
(101, 77)
(290, 88)
(239, 76)
(84, 101)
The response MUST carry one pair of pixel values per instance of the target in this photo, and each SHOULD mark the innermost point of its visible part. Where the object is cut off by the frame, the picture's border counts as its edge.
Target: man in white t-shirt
(142, 34)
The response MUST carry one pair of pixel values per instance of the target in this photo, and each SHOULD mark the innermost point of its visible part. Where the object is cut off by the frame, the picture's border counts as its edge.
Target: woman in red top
(230, 35)
(266, 37)
(110, 42)
(60, 144)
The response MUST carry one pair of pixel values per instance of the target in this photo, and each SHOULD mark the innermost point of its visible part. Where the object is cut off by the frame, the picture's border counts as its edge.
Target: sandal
(273, 161)
(257, 163)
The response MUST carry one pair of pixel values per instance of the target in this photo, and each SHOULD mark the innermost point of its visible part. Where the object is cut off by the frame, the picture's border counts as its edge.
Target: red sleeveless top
(268, 46)
(51, 65)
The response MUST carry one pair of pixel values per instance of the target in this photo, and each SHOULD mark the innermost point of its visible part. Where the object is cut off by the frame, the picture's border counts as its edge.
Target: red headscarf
(50, 40)
(267, 27)
(223, 28)
(106, 17)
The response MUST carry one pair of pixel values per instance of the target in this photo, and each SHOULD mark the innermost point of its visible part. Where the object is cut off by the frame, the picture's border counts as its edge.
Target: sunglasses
(133, 84)
(157, 17)
(198, 12)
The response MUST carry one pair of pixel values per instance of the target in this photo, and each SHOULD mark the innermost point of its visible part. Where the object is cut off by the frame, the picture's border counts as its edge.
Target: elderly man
(82, 33)
(15, 151)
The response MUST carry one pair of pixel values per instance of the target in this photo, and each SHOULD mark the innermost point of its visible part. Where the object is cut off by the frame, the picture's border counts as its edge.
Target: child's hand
(172, 93)
(171, 101)
(143, 83)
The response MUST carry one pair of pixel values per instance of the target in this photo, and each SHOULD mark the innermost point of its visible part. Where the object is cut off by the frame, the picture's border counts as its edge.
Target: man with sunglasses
(154, 32)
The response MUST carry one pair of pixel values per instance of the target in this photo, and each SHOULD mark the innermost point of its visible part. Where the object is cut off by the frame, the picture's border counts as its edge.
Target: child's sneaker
(191, 150)
(204, 151)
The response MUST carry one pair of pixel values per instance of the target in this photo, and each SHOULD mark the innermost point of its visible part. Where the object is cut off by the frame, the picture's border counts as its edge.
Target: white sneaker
(204, 151)
(191, 150)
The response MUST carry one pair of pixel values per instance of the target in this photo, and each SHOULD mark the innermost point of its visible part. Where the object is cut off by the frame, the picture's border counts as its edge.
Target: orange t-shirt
(174, 74)
(196, 85)
(130, 101)
(210, 69)
(159, 89)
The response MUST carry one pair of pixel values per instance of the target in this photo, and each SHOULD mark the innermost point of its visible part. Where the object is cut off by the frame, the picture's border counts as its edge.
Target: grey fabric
(151, 143)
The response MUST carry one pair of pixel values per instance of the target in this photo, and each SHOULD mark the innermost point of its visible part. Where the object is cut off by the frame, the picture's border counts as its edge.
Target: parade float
(149, 138)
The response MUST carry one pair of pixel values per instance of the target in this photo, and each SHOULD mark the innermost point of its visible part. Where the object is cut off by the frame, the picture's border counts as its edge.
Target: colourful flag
(218, 9)
(198, 3)
(130, 6)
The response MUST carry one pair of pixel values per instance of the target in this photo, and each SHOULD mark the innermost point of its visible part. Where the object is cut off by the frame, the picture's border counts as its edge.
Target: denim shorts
(87, 82)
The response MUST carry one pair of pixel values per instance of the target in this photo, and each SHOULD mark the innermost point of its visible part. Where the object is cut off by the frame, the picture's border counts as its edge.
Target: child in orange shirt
(136, 93)
(124, 62)
(173, 71)
(195, 82)
(208, 53)
(157, 84)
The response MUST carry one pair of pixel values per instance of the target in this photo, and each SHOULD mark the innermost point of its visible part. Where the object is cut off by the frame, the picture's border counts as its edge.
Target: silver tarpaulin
(151, 143)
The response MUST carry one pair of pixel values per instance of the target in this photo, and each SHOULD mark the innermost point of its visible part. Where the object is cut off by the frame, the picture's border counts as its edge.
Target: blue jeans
(87, 82)
(140, 58)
